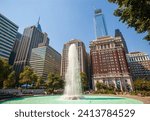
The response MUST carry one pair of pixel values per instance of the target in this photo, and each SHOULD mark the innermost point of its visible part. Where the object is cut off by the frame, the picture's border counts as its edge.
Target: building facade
(100, 25)
(14, 49)
(31, 38)
(119, 34)
(139, 64)
(82, 55)
(109, 64)
(44, 60)
(8, 32)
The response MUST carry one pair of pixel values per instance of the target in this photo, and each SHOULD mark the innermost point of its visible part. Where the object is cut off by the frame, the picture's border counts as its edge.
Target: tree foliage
(135, 13)
(84, 81)
(105, 89)
(5, 70)
(54, 82)
(11, 81)
(141, 85)
(39, 82)
(100, 86)
(28, 76)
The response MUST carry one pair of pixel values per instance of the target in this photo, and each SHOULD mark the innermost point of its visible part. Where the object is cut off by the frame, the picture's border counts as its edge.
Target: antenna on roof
(39, 20)
(38, 25)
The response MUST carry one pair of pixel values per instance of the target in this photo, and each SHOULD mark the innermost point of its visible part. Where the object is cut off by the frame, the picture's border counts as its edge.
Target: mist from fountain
(73, 89)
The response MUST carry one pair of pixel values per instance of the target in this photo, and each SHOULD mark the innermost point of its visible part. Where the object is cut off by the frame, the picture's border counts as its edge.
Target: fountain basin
(88, 99)
(71, 97)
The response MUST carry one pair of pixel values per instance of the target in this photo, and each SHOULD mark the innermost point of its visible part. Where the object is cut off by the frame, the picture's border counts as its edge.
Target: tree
(135, 13)
(84, 81)
(141, 85)
(54, 82)
(5, 70)
(1, 73)
(10, 82)
(39, 82)
(100, 86)
(27, 76)
(34, 78)
(111, 86)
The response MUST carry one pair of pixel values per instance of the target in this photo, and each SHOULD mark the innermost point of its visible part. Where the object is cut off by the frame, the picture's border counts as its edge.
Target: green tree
(135, 13)
(54, 82)
(34, 78)
(111, 86)
(105, 89)
(10, 82)
(1, 73)
(101, 86)
(5, 70)
(84, 81)
(141, 85)
(28, 76)
(39, 82)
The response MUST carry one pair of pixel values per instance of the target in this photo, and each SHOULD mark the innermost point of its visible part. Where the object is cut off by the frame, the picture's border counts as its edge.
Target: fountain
(73, 89)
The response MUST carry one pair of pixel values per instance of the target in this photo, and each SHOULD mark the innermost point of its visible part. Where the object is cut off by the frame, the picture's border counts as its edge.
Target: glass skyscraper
(31, 38)
(8, 32)
(119, 34)
(15, 48)
(44, 60)
(100, 25)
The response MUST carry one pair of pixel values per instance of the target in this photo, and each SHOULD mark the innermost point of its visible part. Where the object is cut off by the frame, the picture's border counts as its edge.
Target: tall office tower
(8, 32)
(109, 64)
(44, 60)
(14, 50)
(119, 34)
(89, 71)
(139, 64)
(31, 37)
(100, 25)
(82, 55)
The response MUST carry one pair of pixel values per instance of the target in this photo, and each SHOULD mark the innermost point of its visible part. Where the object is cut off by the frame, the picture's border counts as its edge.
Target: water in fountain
(72, 78)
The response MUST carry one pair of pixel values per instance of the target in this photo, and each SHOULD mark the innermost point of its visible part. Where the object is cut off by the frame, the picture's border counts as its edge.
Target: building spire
(38, 25)
(38, 20)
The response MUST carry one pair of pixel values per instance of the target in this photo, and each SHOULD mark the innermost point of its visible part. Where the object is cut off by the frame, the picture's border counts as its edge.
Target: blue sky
(68, 19)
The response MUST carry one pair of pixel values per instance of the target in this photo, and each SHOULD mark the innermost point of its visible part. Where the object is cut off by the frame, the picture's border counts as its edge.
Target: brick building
(109, 64)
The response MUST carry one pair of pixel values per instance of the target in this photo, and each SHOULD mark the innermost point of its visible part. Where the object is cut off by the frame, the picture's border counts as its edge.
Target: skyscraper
(31, 37)
(8, 32)
(109, 64)
(14, 50)
(119, 34)
(44, 60)
(82, 55)
(100, 25)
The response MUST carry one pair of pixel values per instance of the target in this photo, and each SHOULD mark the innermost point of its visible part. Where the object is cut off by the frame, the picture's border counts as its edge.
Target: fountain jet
(73, 89)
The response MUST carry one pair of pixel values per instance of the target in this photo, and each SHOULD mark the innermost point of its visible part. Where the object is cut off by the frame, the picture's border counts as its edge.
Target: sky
(64, 20)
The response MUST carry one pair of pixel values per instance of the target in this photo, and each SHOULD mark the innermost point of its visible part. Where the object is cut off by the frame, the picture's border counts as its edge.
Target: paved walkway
(145, 100)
